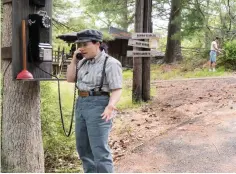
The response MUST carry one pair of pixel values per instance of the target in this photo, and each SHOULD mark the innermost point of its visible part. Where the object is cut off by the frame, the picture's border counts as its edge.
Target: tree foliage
(69, 17)
(118, 13)
(228, 59)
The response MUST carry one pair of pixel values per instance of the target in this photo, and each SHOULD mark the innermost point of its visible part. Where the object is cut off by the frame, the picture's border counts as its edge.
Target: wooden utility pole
(147, 28)
(141, 66)
(21, 137)
(137, 62)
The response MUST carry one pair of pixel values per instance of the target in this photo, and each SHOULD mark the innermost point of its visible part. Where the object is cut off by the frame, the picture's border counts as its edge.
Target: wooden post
(147, 28)
(58, 54)
(63, 55)
(63, 50)
(141, 66)
(137, 62)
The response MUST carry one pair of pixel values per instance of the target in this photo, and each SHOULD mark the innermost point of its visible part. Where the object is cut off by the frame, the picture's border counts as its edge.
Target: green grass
(126, 97)
(66, 91)
(205, 73)
(128, 74)
(160, 73)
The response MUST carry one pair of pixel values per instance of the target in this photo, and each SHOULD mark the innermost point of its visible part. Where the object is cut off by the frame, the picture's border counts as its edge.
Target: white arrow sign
(144, 35)
(137, 43)
(151, 53)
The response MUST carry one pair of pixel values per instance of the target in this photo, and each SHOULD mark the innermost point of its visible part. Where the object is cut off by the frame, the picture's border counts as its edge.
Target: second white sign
(137, 43)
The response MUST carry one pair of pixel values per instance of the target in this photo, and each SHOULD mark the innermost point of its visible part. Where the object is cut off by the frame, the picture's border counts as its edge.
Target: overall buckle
(83, 93)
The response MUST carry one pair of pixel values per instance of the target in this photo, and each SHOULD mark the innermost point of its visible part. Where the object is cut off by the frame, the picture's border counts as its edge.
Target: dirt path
(189, 127)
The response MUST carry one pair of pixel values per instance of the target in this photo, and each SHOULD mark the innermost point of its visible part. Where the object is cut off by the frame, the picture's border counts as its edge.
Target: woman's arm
(115, 97)
(71, 69)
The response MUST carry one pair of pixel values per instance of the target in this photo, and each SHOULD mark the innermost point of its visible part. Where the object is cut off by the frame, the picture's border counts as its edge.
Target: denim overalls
(92, 134)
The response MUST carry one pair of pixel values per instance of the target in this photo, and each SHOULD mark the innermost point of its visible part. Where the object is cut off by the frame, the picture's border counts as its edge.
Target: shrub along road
(190, 126)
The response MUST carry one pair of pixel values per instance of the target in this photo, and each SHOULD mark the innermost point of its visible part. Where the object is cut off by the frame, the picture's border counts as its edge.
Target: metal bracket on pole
(6, 53)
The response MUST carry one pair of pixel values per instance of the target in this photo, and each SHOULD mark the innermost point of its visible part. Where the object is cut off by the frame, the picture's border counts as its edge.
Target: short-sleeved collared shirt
(90, 73)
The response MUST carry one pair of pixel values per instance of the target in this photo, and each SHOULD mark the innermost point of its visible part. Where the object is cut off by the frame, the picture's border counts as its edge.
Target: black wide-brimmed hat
(89, 35)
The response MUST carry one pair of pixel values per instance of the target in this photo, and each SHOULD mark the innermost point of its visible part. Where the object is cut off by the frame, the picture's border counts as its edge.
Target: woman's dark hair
(103, 46)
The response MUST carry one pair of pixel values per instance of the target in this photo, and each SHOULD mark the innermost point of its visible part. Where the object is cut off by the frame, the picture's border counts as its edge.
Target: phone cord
(59, 97)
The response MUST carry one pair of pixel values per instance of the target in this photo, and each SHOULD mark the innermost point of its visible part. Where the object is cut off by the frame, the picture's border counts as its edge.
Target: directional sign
(137, 43)
(144, 35)
(153, 43)
(151, 53)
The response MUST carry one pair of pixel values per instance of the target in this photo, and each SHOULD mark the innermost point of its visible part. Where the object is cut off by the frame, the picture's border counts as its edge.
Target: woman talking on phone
(99, 80)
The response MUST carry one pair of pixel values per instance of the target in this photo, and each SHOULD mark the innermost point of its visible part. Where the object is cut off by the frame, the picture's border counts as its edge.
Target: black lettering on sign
(140, 35)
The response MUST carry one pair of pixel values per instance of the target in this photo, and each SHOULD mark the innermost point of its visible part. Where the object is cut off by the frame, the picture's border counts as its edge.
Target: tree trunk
(125, 23)
(21, 138)
(207, 32)
(173, 47)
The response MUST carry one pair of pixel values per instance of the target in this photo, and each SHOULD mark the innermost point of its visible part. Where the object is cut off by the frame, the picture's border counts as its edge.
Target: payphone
(39, 47)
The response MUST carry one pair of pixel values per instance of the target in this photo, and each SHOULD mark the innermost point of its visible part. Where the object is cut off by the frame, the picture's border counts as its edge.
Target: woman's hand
(71, 69)
(74, 59)
(109, 112)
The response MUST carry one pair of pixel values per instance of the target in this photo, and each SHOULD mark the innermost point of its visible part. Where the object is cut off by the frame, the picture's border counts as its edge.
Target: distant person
(213, 54)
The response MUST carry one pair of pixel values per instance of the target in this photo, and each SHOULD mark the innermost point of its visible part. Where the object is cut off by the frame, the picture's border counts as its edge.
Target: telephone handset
(79, 56)
(39, 47)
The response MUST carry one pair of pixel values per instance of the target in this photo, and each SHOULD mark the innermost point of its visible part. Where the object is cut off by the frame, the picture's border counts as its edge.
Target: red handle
(24, 43)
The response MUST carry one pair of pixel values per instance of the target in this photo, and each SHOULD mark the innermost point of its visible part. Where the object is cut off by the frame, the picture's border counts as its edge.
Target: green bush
(59, 150)
(228, 58)
(194, 58)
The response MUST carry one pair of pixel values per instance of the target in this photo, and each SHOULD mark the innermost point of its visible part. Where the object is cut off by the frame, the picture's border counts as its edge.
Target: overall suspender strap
(103, 74)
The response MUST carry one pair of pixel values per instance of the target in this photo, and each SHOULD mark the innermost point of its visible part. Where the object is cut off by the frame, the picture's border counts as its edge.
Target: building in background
(117, 47)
